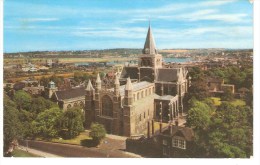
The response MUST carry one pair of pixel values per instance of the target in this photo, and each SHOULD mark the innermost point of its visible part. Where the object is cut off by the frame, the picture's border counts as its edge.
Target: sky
(48, 25)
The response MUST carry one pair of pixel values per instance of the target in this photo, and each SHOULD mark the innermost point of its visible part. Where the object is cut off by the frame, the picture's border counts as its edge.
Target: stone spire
(98, 82)
(149, 46)
(116, 87)
(117, 80)
(128, 85)
(89, 86)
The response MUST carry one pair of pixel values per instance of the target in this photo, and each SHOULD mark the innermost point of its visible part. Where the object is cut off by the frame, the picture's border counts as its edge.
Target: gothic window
(107, 106)
(148, 63)
(173, 90)
(144, 63)
(158, 89)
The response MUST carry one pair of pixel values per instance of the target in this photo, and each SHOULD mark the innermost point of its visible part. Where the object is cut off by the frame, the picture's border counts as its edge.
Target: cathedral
(141, 95)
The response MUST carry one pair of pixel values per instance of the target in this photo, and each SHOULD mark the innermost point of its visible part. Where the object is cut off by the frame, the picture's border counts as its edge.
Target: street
(67, 150)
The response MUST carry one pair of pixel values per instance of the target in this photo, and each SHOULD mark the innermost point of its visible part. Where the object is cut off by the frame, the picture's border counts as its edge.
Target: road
(67, 150)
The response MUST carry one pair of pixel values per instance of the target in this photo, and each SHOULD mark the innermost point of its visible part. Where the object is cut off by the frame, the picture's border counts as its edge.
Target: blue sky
(31, 25)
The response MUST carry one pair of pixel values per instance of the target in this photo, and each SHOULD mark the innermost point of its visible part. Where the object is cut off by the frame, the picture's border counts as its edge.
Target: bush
(97, 132)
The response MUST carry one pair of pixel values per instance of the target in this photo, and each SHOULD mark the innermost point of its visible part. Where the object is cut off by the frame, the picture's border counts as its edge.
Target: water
(167, 60)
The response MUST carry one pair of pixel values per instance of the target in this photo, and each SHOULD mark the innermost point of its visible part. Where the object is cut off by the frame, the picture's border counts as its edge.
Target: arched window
(107, 106)
(138, 96)
(75, 104)
(145, 92)
(81, 104)
(142, 95)
(69, 106)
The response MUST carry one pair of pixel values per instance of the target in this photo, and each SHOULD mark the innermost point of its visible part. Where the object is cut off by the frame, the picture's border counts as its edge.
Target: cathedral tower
(150, 56)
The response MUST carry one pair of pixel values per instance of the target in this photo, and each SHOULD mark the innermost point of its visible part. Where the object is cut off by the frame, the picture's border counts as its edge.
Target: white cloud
(215, 3)
(38, 19)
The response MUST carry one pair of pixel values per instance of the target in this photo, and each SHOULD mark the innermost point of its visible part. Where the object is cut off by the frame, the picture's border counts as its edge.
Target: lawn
(77, 140)
(21, 153)
(236, 102)
(216, 101)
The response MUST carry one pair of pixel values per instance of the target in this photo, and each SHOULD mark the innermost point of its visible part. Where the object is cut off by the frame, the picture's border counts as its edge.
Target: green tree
(40, 104)
(97, 132)
(47, 124)
(72, 121)
(23, 100)
(26, 119)
(228, 95)
(11, 123)
(236, 132)
(199, 115)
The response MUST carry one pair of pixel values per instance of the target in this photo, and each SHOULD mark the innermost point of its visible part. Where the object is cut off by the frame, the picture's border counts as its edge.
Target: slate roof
(149, 43)
(131, 72)
(135, 87)
(146, 74)
(71, 93)
(185, 132)
(167, 75)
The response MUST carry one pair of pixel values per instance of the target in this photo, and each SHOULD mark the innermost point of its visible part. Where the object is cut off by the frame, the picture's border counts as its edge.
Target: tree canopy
(47, 124)
(72, 122)
(11, 123)
(225, 132)
(97, 132)
(23, 100)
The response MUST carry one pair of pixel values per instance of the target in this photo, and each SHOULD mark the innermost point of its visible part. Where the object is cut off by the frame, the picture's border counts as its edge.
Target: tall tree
(199, 115)
(11, 123)
(47, 124)
(40, 104)
(72, 121)
(23, 100)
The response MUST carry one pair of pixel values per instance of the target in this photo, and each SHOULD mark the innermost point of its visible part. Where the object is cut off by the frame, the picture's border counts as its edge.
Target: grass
(21, 153)
(77, 140)
(236, 102)
(216, 101)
